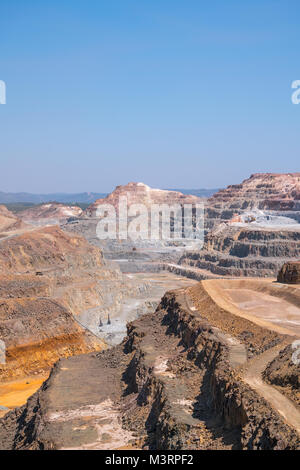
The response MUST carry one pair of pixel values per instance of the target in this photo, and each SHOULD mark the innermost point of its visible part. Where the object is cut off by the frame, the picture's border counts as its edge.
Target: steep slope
(47, 249)
(244, 251)
(262, 191)
(176, 382)
(290, 273)
(146, 252)
(140, 193)
(284, 373)
(48, 278)
(37, 332)
(252, 228)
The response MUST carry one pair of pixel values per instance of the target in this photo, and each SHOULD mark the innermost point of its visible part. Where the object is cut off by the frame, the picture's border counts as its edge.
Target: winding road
(252, 374)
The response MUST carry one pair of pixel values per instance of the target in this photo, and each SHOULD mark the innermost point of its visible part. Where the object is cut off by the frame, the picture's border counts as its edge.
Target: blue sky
(175, 94)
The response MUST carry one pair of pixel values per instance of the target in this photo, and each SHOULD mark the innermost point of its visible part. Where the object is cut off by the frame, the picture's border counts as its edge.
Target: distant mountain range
(85, 198)
(7, 198)
(198, 192)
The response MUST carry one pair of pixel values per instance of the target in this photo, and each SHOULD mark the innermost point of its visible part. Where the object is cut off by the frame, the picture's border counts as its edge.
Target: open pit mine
(252, 229)
(160, 346)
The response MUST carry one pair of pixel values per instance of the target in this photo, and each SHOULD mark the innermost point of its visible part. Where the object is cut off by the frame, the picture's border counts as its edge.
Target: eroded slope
(47, 278)
(176, 382)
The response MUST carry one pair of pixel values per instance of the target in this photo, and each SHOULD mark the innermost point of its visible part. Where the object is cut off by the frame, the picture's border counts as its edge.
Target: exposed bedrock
(140, 193)
(284, 372)
(36, 333)
(172, 384)
(262, 191)
(143, 254)
(47, 280)
(238, 251)
(252, 228)
(290, 273)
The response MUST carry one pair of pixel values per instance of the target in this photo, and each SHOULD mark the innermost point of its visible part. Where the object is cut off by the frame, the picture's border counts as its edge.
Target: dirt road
(253, 377)
(252, 374)
(268, 304)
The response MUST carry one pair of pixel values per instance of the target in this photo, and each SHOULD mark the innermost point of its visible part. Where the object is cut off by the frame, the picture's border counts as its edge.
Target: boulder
(290, 273)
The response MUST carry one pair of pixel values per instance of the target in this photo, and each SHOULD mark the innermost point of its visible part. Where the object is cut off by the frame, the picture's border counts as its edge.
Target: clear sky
(182, 94)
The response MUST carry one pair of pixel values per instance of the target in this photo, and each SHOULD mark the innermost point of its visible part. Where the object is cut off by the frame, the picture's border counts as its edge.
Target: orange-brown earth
(47, 277)
(47, 249)
(252, 228)
(50, 213)
(265, 191)
(9, 221)
(140, 193)
(16, 392)
(188, 376)
(144, 252)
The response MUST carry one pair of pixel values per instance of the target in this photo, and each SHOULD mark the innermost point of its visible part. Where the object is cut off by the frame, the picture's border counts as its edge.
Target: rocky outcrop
(48, 278)
(48, 250)
(51, 213)
(36, 333)
(244, 251)
(284, 372)
(290, 273)
(252, 228)
(145, 252)
(172, 384)
(262, 191)
(140, 193)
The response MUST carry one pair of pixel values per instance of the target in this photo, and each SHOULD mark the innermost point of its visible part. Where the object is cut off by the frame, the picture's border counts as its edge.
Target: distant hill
(80, 198)
(87, 198)
(198, 192)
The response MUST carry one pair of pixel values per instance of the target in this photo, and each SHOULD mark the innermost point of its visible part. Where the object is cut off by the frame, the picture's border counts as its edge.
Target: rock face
(37, 332)
(45, 249)
(140, 193)
(36, 321)
(262, 191)
(47, 279)
(172, 384)
(252, 228)
(243, 251)
(50, 214)
(290, 273)
(284, 373)
(143, 254)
